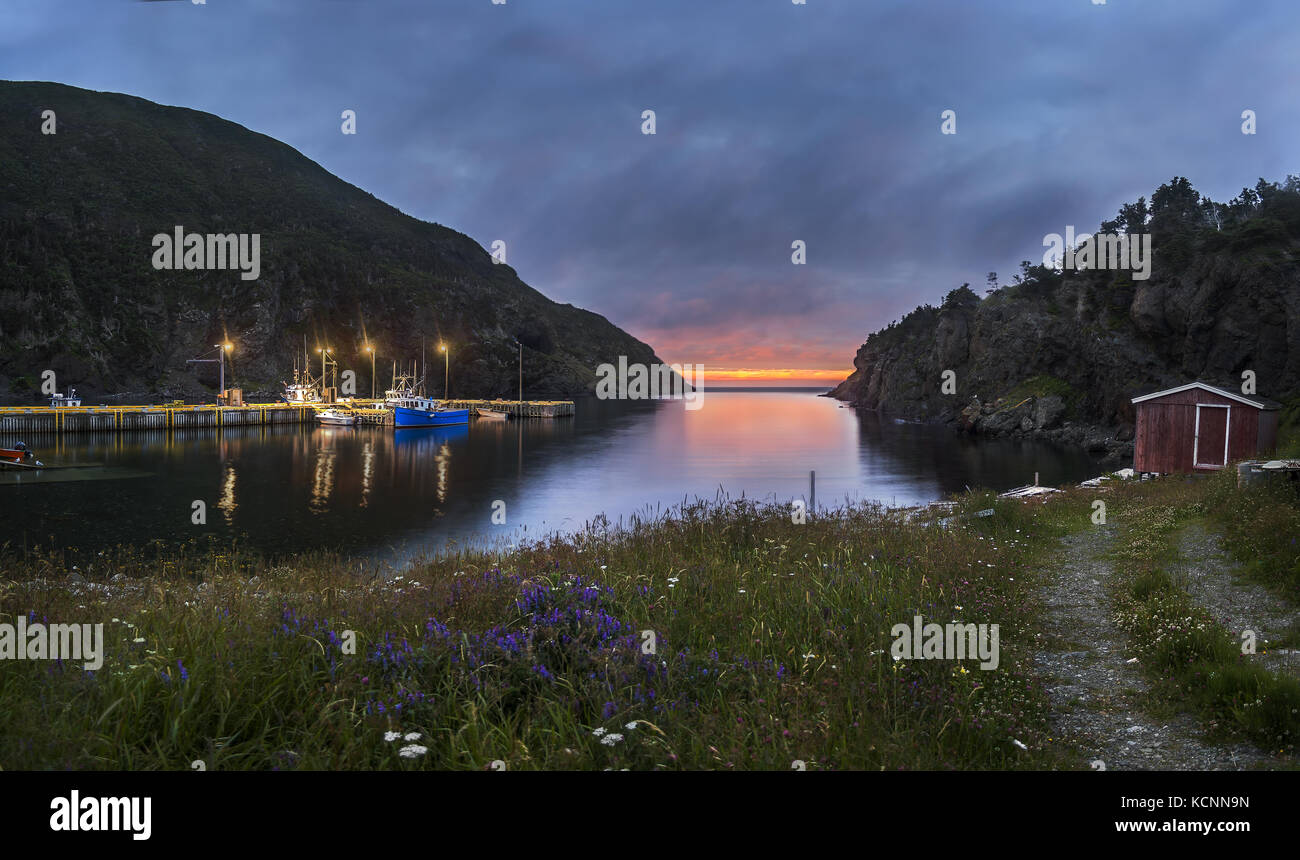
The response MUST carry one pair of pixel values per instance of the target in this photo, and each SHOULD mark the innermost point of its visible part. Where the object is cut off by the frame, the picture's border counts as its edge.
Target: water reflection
(227, 502)
(376, 491)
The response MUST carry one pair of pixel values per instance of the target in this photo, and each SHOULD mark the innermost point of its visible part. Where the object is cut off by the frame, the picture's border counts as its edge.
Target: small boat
(19, 454)
(19, 457)
(59, 401)
(413, 411)
(494, 414)
(336, 417)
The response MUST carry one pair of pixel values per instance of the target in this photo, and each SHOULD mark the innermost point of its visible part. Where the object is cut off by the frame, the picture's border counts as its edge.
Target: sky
(775, 122)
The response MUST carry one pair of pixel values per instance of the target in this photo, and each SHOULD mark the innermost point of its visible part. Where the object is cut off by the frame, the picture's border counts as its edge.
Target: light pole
(371, 350)
(324, 357)
(446, 369)
(521, 373)
(222, 349)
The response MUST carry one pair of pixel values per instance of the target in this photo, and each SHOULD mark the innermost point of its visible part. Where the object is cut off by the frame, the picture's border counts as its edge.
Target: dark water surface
(379, 492)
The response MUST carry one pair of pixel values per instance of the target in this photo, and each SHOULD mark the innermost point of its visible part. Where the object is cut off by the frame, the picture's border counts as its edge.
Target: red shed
(1198, 427)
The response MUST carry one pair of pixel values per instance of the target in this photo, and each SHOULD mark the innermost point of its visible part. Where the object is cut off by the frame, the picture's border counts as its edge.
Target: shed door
(1210, 448)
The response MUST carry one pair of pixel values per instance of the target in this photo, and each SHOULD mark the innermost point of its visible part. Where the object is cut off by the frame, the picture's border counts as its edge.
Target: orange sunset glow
(771, 376)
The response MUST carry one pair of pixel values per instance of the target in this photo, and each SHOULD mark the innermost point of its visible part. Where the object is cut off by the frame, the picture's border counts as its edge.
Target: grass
(1261, 528)
(1042, 386)
(1288, 430)
(724, 637)
(771, 646)
(1192, 659)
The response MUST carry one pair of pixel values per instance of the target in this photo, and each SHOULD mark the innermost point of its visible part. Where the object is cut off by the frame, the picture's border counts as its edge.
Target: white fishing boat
(336, 417)
(304, 390)
(59, 401)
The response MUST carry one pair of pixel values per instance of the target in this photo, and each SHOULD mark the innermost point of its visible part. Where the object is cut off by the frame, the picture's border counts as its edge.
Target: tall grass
(771, 646)
(1194, 660)
(1261, 528)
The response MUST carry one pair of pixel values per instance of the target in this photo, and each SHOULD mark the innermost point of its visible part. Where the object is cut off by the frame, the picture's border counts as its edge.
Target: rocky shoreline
(1039, 418)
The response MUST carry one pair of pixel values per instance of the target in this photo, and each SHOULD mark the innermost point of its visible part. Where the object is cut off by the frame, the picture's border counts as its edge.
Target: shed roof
(1248, 399)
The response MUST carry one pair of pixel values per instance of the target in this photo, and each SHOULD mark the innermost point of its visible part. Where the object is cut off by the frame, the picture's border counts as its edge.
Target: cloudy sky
(775, 122)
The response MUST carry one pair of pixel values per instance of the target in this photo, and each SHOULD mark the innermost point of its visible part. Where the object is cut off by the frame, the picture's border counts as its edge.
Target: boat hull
(403, 417)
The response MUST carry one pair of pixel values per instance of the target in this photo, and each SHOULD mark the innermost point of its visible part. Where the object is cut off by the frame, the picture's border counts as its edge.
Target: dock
(87, 419)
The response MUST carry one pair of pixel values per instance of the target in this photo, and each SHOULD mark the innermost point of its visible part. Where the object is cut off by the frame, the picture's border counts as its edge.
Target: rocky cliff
(79, 293)
(1059, 353)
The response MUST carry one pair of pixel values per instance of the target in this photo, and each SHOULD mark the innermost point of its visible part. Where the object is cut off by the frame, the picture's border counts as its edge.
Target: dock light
(229, 346)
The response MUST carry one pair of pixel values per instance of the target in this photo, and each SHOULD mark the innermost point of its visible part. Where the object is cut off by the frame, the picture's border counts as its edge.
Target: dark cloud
(776, 122)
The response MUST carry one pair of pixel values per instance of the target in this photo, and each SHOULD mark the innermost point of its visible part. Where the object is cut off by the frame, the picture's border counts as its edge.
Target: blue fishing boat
(413, 411)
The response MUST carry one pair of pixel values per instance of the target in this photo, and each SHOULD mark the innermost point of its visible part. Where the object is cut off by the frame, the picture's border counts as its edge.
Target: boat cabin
(58, 400)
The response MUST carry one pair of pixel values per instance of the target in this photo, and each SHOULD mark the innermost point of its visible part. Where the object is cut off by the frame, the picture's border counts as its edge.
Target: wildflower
(630, 726)
(610, 739)
(598, 732)
(412, 736)
(392, 736)
(1019, 744)
(412, 751)
(138, 639)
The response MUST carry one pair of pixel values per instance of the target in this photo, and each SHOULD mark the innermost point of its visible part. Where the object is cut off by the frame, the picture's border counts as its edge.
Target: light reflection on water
(378, 492)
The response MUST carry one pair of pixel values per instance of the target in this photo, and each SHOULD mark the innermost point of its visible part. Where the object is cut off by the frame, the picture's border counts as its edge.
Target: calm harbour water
(382, 493)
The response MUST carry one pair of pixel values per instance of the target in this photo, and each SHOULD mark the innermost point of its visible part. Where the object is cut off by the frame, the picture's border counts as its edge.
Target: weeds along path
(1096, 695)
(1208, 574)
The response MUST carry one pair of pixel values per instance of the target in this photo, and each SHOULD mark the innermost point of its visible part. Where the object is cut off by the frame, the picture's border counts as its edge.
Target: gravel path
(1236, 604)
(1096, 695)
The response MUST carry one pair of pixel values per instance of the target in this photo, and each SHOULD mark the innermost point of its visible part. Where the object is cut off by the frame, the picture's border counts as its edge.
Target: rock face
(79, 294)
(1059, 356)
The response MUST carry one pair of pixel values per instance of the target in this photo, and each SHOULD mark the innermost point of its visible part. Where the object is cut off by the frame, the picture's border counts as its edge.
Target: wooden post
(812, 490)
